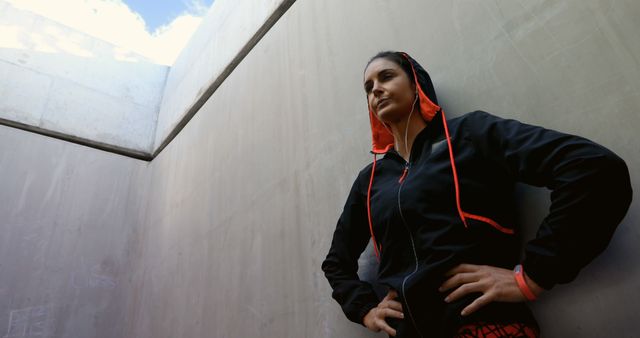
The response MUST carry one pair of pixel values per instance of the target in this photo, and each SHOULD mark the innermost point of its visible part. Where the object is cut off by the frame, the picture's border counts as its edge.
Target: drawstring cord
(463, 214)
(453, 169)
(373, 237)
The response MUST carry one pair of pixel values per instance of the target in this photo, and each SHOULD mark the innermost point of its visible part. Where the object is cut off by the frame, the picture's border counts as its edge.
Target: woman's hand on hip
(375, 320)
(495, 284)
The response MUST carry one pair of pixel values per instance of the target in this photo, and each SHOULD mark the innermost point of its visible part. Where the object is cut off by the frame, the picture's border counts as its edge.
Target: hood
(382, 139)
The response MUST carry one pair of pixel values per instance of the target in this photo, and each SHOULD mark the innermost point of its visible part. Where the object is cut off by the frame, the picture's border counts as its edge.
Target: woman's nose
(376, 90)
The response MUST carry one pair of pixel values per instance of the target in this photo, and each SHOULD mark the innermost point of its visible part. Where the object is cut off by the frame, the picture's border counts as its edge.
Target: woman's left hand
(495, 284)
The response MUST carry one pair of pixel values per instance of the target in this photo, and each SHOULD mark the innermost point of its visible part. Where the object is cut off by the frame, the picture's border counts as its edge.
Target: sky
(156, 29)
(157, 13)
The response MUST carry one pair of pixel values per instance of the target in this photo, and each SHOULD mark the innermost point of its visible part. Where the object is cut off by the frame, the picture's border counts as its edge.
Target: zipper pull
(404, 173)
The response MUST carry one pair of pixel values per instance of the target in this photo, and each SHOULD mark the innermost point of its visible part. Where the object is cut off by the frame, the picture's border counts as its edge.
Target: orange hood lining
(382, 139)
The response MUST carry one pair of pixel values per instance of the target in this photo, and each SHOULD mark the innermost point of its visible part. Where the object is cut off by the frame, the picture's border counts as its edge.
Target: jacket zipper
(413, 246)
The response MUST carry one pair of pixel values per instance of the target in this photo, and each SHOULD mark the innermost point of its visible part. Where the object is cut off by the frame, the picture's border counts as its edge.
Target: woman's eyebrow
(367, 83)
(381, 72)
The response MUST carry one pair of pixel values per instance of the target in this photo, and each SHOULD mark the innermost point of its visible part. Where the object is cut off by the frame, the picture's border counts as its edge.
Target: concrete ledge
(133, 153)
(208, 59)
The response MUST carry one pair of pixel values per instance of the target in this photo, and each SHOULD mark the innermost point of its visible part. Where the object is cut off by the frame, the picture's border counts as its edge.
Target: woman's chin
(388, 116)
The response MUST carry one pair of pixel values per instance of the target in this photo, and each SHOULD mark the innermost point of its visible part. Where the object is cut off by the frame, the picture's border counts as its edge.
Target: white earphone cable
(406, 129)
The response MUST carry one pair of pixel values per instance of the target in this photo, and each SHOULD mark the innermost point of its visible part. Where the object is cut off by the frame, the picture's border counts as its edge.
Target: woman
(438, 209)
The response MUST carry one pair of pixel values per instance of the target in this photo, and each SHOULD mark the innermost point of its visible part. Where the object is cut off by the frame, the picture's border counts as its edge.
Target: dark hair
(397, 58)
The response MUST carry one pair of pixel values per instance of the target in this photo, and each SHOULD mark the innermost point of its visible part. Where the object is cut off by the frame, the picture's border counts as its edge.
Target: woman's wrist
(529, 288)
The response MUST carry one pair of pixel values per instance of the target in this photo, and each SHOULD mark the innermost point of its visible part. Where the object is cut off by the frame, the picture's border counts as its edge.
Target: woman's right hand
(375, 320)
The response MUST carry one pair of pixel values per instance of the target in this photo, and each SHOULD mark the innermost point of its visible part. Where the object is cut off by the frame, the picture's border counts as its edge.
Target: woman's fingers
(461, 269)
(464, 290)
(393, 313)
(381, 323)
(459, 279)
(375, 320)
(386, 328)
(393, 304)
(477, 304)
(390, 302)
(494, 284)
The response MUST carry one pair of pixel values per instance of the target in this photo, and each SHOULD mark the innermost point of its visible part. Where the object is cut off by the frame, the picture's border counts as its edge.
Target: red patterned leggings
(492, 330)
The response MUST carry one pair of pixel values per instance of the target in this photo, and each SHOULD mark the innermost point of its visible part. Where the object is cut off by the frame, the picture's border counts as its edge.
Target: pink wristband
(522, 284)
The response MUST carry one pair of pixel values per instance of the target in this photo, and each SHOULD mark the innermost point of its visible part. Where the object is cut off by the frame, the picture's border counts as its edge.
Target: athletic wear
(453, 203)
(490, 330)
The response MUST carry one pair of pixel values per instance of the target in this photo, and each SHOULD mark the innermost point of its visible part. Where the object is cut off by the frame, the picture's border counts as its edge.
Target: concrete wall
(68, 218)
(223, 234)
(56, 79)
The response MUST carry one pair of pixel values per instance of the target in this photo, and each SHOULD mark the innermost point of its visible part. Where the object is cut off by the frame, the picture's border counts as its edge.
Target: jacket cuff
(542, 270)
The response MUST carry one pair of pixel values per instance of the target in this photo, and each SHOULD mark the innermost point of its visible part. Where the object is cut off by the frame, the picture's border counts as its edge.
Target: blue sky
(157, 13)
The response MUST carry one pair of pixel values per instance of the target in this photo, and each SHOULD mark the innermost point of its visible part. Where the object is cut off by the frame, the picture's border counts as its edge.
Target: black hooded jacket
(453, 203)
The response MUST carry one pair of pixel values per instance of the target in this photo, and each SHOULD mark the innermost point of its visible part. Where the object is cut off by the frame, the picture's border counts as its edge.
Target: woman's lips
(382, 102)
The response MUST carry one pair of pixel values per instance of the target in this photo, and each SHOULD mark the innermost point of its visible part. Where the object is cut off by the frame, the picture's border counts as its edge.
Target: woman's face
(390, 93)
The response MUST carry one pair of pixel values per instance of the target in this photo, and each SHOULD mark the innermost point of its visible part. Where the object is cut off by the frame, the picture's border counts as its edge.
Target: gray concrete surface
(69, 234)
(227, 33)
(223, 233)
(54, 78)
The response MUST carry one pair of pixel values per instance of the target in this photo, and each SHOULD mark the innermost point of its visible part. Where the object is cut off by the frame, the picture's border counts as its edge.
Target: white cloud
(196, 7)
(114, 22)
(176, 35)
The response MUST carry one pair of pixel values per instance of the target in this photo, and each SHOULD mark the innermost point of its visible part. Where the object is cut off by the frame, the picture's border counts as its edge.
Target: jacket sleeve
(590, 192)
(350, 238)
